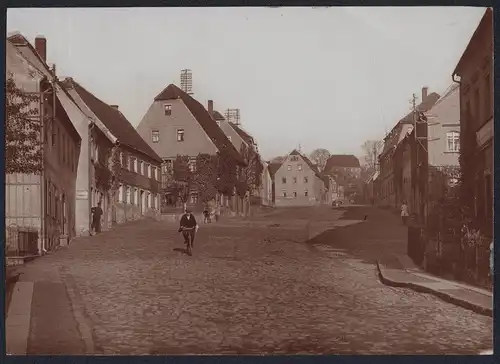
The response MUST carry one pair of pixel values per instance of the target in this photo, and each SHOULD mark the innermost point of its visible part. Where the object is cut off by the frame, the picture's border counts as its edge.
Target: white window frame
(283, 193)
(180, 132)
(148, 170)
(454, 138)
(218, 123)
(295, 194)
(167, 108)
(129, 195)
(289, 167)
(306, 193)
(120, 193)
(155, 136)
(299, 167)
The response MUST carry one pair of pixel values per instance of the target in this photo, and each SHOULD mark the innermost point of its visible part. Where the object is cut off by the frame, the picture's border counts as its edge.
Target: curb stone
(442, 295)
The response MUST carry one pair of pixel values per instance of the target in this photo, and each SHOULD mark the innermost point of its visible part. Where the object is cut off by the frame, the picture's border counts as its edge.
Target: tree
(182, 176)
(205, 178)
(23, 144)
(371, 150)
(320, 157)
(226, 174)
(251, 174)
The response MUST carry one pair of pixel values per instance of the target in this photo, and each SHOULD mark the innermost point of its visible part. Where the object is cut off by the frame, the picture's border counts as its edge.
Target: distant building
(475, 72)
(239, 137)
(297, 182)
(176, 124)
(344, 165)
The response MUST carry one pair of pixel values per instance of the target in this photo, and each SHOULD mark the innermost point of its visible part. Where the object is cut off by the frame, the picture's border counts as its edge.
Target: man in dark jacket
(188, 221)
(96, 218)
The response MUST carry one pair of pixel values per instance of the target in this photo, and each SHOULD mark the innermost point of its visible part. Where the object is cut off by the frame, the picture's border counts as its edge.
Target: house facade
(176, 124)
(474, 74)
(123, 172)
(297, 182)
(391, 158)
(239, 138)
(40, 208)
(443, 144)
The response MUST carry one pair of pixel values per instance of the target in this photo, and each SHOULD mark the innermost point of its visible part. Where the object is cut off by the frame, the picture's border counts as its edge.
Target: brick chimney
(41, 47)
(424, 93)
(114, 106)
(211, 107)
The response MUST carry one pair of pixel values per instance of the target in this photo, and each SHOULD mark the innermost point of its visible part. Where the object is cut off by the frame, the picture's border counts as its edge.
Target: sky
(315, 77)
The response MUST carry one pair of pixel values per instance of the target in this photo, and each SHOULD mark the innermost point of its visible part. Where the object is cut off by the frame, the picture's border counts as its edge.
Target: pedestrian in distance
(96, 218)
(404, 213)
(206, 215)
(188, 226)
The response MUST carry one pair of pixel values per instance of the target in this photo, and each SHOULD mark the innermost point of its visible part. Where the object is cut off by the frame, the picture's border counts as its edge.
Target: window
(294, 194)
(289, 167)
(294, 158)
(155, 136)
(283, 180)
(168, 109)
(121, 159)
(294, 179)
(129, 195)
(192, 165)
(139, 167)
(147, 170)
(284, 193)
(306, 179)
(132, 164)
(153, 172)
(306, 193)
(452, 141)
(194, 198)
(180, 135)
(218, 123)
(230, 139)
(299, 167)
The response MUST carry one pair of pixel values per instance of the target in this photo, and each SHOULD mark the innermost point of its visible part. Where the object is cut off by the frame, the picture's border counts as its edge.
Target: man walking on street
(404, 212)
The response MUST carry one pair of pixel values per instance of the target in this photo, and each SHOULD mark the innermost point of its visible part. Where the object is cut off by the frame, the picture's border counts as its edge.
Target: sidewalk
(400, 271)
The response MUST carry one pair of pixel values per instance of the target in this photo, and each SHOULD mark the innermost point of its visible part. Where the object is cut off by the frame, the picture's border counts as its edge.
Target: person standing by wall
(96, 218)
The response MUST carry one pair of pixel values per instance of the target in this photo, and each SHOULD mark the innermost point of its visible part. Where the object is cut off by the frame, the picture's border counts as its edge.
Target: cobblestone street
(250, 288)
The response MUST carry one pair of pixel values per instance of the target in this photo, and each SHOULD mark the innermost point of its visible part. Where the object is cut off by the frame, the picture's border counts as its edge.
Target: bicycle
(189, 243)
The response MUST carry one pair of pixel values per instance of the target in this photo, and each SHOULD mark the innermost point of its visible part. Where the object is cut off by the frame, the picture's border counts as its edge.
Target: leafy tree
(251, 174)
(320, 157)
(226, 174)
(182, 177)
(23, 145)
(205, 178)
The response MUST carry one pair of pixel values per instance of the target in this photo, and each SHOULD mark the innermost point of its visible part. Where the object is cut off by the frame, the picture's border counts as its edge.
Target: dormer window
(168, 109)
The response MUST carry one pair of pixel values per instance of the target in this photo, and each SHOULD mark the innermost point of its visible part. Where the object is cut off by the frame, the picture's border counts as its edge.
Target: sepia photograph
(249, 181)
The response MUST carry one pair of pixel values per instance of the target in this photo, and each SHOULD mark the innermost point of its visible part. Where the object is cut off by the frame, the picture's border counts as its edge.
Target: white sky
(323, 77)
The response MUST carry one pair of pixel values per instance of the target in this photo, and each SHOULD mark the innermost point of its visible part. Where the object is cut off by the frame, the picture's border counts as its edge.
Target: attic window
(155, 136)
(168, 109)
(294, 158)
(180, 135)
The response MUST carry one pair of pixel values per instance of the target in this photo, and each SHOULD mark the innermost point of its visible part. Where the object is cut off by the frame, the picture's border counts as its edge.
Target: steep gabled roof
(243, 134)
(114, 120)
(273, 168)
(406, 124)
(220, 140)
(341, 161)
(218, 116)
